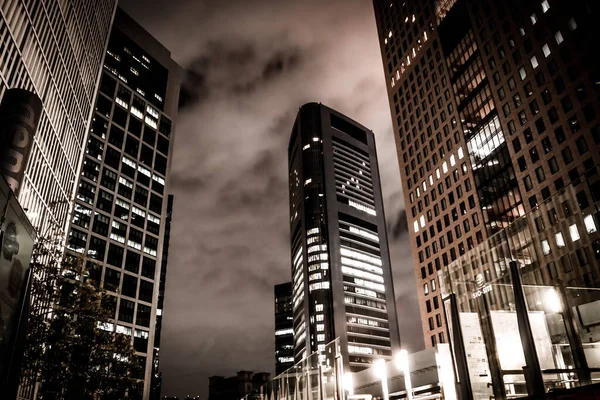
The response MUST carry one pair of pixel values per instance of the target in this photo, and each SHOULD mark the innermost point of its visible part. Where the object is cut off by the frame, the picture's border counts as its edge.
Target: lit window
(452, 160)
(461, 154)
(424, 186)
(546, 50)
(522, 31)
(437, 173)
(306, 182)
(306, 146)
(422, 221)
(574, 232)
(319, 307)
(545, 247)
(572, 24)
(315, 139)
(433, 285)
(431, 180)
(590, 225)
(426, 289)
(135, 72)
(560, 240)
(522, 73)
(545, 6)
(559, 37)
(445, 167)
(158, 97)
(534, 62)
(533, 19)
(390, 34)
(416, 226)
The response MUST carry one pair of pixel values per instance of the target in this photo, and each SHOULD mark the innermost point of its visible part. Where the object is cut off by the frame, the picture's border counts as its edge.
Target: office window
(559, 37)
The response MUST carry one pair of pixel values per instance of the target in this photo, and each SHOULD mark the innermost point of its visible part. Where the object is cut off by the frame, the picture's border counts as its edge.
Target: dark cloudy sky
(249, 66)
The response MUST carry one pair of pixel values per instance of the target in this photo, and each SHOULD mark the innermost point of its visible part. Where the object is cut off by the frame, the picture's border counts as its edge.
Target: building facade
(156, 382)
(523, 306)
(341, 275)
(54, 49)
(284, 328)
(494, 107)
(120, 215)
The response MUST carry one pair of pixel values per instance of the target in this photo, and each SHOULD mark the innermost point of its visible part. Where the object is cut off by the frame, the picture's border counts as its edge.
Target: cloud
(249, 66)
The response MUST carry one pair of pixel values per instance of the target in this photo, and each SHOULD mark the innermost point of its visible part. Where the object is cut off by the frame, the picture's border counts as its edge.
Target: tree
(72, 350)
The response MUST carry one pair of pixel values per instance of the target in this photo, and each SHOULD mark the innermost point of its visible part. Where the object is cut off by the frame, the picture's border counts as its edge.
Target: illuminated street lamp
(348, 383)
(380, 372)
(402, 365)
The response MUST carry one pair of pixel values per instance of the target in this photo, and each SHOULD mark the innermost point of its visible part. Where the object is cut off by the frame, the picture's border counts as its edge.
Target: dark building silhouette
(495, 109)
(284, 328)
(341, 275)
(156, 381)
(120, 215)
(236, 387)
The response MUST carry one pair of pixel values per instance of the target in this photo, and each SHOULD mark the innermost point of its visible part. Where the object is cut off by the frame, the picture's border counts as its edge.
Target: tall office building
(54, 49)
(156, 382)
(341, 275)
(494, 107)
(120, 214)
(284, 328)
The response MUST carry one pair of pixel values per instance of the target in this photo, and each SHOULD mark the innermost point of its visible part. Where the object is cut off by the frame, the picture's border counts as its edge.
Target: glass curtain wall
(526, 302)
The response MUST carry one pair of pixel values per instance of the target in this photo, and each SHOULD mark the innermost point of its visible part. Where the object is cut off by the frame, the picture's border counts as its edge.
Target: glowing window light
(590, 225)
(574, 232)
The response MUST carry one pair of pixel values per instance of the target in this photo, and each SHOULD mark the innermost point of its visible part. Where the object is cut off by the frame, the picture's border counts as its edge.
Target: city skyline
(422, 175)
(235, 76)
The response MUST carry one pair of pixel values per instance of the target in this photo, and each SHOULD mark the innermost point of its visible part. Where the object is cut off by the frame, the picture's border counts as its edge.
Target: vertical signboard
(20, 113)
(16, 246)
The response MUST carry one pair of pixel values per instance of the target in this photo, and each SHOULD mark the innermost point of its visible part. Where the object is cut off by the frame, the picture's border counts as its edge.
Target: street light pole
(381, 372)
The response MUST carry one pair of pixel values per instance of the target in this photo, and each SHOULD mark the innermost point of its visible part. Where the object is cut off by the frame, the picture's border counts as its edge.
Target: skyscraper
(341, 275)
(494, 107)
(156, 373)
(54, 49)
(284, 328)
(120, 214)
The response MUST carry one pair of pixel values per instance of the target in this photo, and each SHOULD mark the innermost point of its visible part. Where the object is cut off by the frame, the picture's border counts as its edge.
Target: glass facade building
(284, 328)
(54, 49)
(523, 307)
(494, 107)
(341, 275)
(120, 218)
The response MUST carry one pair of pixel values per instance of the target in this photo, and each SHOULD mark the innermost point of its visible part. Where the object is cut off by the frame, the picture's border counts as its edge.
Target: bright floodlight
(552, 301)
(379, 368)
(402, 360)
(348, 383)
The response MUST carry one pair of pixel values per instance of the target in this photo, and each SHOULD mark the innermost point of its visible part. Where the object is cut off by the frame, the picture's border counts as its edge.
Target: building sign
(482, 288)
(16, 247)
